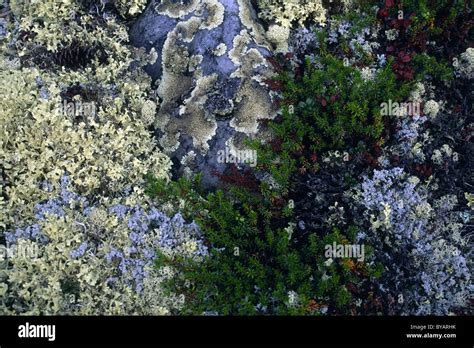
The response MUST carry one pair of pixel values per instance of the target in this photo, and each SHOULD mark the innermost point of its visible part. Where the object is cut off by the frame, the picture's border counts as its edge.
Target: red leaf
(289, 56)
(274, 85)
(277, 66)
(383, 13)
(404, 57)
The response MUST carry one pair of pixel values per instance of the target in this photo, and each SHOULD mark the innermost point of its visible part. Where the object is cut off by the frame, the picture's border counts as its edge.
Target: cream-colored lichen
(193, 119)
(148, 112)
(215, 15)
(86, 285)
(464, 65)
(286, 13)
(176, 9)
(418, 92)
(220, 50)
(431, 108)
(186, 30)
(278, 36)
(106, 153)
(247, 17)
(39, 143)
(253, 105)
(194, 62)
(48, 21)
(130, 7)
(252, 100)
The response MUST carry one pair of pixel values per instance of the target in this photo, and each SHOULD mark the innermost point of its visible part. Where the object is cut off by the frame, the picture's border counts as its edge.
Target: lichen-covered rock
(210, 73)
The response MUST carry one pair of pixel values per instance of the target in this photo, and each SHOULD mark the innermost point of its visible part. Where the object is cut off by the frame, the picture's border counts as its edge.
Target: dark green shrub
(327, 107)
(255, 262)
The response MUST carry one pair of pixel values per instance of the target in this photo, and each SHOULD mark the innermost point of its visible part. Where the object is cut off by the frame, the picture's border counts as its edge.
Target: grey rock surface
(210, 71)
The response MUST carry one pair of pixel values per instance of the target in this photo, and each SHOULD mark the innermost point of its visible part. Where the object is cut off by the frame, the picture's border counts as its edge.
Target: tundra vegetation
(202, 157)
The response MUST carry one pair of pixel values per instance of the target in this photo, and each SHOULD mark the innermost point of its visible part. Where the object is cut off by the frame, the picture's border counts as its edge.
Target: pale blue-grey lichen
(428, 263)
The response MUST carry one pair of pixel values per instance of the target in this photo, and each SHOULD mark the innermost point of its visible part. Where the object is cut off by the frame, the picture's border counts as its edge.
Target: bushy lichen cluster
(105, 154)
(290, 12)
(465, 65)
(94, 259)
(428, 261)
